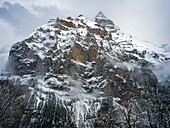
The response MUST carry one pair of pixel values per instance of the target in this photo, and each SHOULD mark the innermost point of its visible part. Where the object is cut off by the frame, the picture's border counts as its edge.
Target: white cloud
(8, 36)
(7, 39)
(43, 3)
(163, 72)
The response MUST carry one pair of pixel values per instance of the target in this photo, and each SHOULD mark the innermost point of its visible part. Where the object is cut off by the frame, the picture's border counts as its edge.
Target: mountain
(80, 73)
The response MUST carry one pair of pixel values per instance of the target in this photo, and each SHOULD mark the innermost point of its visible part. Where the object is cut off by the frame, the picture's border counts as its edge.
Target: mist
(162, 72)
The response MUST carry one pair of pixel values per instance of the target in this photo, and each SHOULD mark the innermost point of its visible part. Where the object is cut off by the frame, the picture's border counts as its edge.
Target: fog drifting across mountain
(162, 72)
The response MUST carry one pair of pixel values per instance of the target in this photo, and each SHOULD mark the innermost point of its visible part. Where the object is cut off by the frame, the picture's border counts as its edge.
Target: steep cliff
(74, 71)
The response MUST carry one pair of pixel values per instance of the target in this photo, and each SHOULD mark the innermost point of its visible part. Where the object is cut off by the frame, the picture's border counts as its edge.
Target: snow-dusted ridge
(126, 43)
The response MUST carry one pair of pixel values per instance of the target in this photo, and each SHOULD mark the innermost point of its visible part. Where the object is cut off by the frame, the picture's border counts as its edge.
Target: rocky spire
(100, 15)
(101, 19)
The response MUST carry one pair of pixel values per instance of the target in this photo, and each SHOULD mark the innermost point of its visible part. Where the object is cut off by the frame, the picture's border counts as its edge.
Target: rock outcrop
(104, 21)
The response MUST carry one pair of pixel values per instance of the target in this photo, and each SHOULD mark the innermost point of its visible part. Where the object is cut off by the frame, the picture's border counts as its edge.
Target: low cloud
(8, 35)
(118, 63)
(7, 38)
(162, 72)
(3, 57)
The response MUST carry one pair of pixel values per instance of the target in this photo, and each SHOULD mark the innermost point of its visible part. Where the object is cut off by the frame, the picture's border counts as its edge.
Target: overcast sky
(147, 19)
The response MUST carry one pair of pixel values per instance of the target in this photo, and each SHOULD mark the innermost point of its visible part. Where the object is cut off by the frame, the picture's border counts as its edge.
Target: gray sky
(147, 19)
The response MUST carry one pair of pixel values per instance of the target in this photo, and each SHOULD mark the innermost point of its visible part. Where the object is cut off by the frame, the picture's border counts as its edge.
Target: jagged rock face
(75, 57)
(78, 47)
(104, 21)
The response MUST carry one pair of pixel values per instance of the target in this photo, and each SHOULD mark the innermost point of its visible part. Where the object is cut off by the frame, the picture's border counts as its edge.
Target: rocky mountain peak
(100, 15)
(101, 19)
